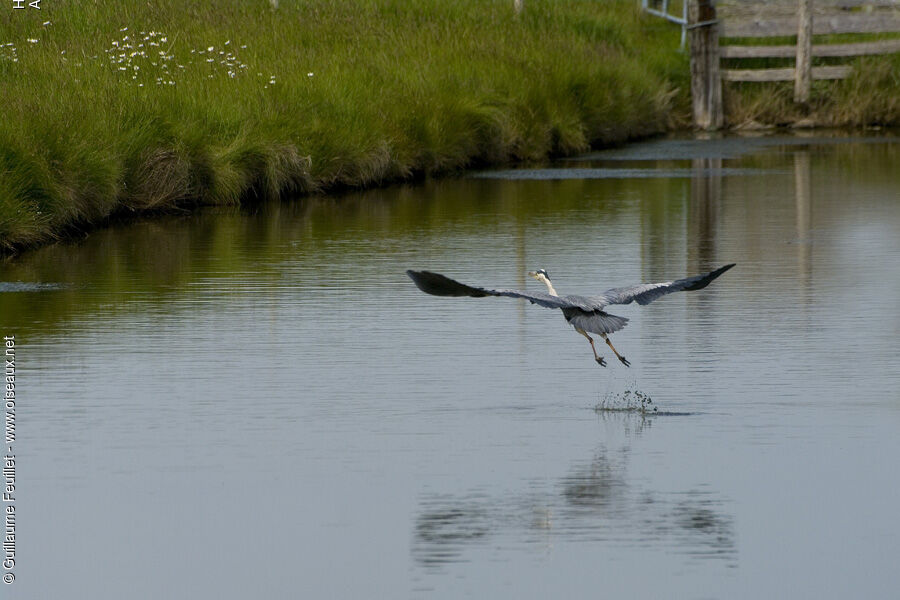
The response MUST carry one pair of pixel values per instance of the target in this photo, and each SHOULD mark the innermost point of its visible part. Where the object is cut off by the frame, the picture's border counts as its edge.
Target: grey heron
(585, 313)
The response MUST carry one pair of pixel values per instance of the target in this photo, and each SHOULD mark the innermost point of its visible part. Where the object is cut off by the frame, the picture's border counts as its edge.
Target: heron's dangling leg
(619, 356)
(599, 359)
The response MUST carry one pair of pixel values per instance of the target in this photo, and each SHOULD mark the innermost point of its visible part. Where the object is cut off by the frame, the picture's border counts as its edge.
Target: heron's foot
(625, 361)
(601, 361)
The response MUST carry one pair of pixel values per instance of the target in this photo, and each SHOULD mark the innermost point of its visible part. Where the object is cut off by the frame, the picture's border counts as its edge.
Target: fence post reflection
(804, 217)
(703, 214)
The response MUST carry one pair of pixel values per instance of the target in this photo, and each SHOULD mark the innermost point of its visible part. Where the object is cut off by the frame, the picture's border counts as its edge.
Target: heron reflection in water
(585, 313)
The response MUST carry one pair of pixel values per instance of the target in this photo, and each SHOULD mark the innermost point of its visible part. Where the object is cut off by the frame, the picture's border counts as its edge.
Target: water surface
(260, 404)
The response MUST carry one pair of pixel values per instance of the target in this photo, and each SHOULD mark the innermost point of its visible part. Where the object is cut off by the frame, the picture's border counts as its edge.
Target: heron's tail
(597, 321)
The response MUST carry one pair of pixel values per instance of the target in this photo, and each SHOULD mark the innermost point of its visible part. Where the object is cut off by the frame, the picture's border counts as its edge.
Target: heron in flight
(585, 313)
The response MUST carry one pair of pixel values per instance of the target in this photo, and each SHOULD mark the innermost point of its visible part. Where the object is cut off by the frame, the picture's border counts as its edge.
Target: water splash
(630, 400)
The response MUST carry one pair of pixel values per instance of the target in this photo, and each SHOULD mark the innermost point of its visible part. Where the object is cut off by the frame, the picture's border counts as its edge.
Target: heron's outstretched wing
(439, 285)
(646, 293)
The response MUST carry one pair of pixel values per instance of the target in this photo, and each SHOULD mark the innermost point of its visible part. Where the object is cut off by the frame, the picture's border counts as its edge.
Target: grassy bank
(137, 106)
(115, 109)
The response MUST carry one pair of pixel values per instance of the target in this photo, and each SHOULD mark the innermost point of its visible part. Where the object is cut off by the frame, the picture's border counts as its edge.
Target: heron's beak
(532, 274)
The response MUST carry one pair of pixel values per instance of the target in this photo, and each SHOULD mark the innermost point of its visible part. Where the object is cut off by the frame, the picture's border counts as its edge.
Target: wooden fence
(706, 29)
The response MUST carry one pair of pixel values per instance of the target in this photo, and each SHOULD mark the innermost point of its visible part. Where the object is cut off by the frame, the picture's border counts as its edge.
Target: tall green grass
(110, 109)
(235, 101)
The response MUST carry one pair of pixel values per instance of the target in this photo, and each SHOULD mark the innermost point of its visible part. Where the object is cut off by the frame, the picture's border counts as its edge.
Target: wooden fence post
(706, 79)
(803, 66)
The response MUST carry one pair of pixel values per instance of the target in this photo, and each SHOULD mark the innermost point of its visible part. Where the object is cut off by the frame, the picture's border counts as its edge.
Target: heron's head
(541, 275)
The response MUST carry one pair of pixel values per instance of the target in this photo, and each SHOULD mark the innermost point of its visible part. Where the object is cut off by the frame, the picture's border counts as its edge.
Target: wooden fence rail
(832, 50)
(782, 26)
(705, 30)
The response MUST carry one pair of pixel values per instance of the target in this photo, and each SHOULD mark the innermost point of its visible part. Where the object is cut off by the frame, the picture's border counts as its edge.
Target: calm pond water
(261, 404)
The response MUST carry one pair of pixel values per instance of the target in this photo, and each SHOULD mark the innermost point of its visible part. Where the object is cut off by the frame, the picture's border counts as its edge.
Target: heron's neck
(549, 285)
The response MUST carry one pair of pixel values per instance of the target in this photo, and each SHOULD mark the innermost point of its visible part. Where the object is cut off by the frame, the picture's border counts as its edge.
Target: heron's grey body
(585, 313)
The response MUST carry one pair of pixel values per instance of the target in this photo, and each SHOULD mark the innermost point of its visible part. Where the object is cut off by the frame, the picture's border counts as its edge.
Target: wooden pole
(706, 79)
(803, 68)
